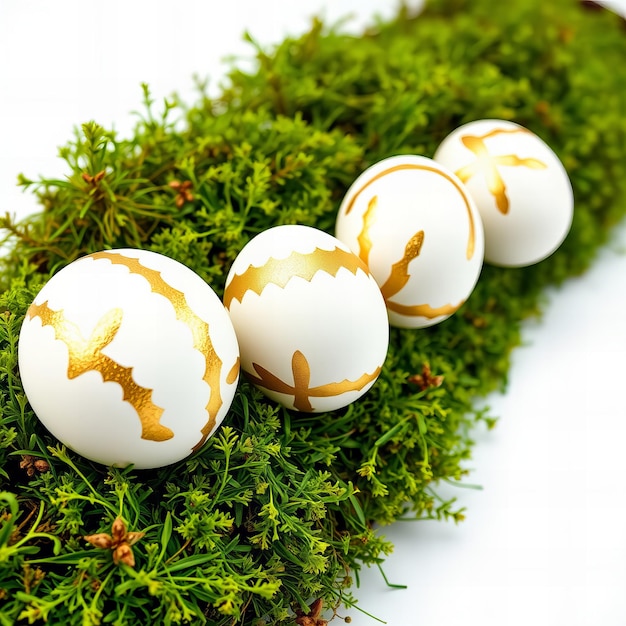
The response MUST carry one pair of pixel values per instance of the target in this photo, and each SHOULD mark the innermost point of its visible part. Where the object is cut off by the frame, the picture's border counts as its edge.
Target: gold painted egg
(129, 357)
(417, 229)
(310, 319)
(519, 185)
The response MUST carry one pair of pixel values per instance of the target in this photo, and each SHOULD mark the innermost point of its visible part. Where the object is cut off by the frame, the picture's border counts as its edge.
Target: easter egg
(414, 225)
(129, 357)
(520, 188)
(309, 317)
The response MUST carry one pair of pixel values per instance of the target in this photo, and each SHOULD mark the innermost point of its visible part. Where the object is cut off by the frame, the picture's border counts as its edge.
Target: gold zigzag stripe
(86, 355)
(297, 265)
(199, 330)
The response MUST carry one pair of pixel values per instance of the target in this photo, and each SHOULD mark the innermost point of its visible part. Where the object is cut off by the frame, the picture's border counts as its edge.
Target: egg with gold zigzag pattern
(309, 317)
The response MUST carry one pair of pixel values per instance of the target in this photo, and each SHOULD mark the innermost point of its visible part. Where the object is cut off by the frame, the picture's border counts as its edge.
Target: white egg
(129, 357)
(519, 185)
(310, 319)
(414, 225)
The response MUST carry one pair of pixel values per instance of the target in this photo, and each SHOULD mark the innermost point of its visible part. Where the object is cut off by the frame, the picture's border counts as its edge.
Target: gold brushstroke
(505, 131)
(298, 264)
(399, 277)
(86, 355)
(424, 310)
(233, 373)
(364, 241)
(199, 330)
(488, 165)
(400, 270)
(471, 241)
(301, 379)
(300, 389)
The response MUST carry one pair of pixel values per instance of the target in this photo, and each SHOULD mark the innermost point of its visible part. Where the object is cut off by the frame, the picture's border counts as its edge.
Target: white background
(545, 539)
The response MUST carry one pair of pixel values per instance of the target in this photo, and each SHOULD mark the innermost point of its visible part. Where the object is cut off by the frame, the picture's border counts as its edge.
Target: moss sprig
(275, 516)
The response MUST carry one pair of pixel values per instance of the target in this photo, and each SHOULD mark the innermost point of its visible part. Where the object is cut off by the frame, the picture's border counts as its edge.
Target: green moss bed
(280, 509)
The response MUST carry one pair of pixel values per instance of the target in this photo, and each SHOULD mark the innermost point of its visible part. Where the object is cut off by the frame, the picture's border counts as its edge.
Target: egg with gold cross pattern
(519, 185)
(129, 357)
(309, 317)
(415, 226)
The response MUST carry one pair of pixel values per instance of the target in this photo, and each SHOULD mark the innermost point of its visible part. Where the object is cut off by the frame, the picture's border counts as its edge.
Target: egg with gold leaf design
(415, 226)
(309, 317)
(129, 357)
(519, 185)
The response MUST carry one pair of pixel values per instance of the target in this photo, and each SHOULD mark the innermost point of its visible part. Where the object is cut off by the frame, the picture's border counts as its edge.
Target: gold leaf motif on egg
(279, 272)
(86, 355)
(488, 165)
(300, 388)
(199, 330)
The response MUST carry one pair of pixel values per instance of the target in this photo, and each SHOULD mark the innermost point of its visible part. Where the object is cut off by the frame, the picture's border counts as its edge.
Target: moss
(278, 508)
